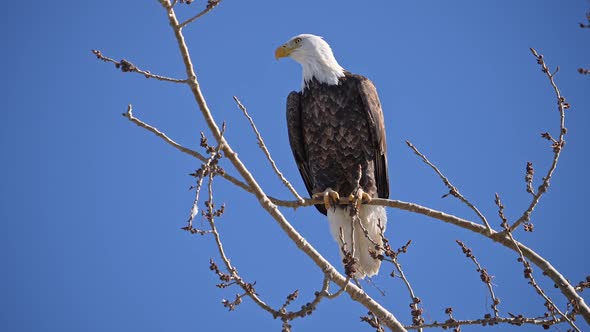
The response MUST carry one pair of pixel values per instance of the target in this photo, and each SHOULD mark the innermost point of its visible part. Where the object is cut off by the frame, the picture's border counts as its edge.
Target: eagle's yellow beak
(283, 51)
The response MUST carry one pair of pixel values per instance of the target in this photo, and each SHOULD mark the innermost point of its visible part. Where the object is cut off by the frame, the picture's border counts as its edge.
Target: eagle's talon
(366, 198)
(330, 197)
(359, 197)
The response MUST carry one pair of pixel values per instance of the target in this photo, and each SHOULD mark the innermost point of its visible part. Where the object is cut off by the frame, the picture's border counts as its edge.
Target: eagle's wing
(368, 93)
(297, 143)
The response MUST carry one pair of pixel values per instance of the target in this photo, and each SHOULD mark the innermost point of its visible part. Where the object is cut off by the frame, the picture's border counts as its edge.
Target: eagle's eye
(297, 40)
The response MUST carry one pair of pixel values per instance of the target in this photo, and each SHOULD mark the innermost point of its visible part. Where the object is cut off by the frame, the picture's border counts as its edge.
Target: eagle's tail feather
(370, 216)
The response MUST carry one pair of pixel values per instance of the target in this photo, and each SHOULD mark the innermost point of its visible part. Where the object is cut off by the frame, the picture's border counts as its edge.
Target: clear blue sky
(91, 206)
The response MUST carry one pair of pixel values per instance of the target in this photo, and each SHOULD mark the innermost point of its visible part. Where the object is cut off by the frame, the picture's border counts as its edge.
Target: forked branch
(557, 144)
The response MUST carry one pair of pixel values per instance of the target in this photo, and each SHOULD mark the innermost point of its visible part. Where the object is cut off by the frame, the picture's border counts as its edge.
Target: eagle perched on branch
(337, 135)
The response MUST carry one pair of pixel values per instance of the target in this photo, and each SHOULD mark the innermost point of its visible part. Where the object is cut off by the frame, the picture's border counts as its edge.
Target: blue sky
(91, 206)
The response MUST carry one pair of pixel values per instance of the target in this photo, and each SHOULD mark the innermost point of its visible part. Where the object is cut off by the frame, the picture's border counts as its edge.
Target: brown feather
(335, 128)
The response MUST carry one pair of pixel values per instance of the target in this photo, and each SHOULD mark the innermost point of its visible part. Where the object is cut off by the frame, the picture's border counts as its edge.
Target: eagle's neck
(323, 67)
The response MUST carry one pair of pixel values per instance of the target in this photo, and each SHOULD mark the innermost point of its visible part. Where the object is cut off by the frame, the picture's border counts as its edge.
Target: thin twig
(129, 115)
(557, 145)
(373, 321)
(210, 5)
(529, 275)
(338, 292)
(484, 276)
(195, 208)
(584, 284)
(266, 152)
(453, 191)
(209, 167)
(348, 259)
(416, 311)
(528, 270)
(127, 66)
(247, 287)
(210, 216)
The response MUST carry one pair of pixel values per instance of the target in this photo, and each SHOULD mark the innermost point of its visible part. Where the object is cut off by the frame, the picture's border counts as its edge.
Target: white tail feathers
(370, 217)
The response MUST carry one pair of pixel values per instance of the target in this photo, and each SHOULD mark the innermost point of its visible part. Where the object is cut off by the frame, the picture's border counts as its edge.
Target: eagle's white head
(315, 56)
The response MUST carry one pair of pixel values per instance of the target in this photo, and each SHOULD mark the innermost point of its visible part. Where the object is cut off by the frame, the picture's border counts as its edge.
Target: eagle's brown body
(334, 129)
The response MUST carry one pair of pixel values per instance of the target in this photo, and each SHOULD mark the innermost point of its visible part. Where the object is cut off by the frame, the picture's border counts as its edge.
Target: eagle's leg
(358, 197)
(330, 197)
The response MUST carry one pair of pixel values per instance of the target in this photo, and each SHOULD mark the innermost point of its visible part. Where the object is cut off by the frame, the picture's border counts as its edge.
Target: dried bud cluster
(504, 223)
(452, 191)
(465, 249)
(451, 322)
(98, 54)
(373, 321)
(416, 312)
(286, 327)
(349, 262)
(209, 168)
(483, 275)
(224, 277)
(530, 172)
(211, 212)
(548, 136)
(290, 298)
(574, 309)
(583, 284)
(189, 228)
(124, 65)
(231, 305)
(518, 319)
(212, 3)
(488, 319)
(528, 227)
(563, 102)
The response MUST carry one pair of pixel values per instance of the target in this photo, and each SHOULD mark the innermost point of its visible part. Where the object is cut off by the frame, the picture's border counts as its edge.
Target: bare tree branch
(583, 284)
(453, 191)
(416, 311)
(266, 152)
(210, 5)
(127, 66)
(528, 274)
(484, 276)
(516, 320)
(129, 115)
(500, 237)
(557, 145)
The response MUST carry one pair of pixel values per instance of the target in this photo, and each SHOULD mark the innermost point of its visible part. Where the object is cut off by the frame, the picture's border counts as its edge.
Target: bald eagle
(336, 133)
